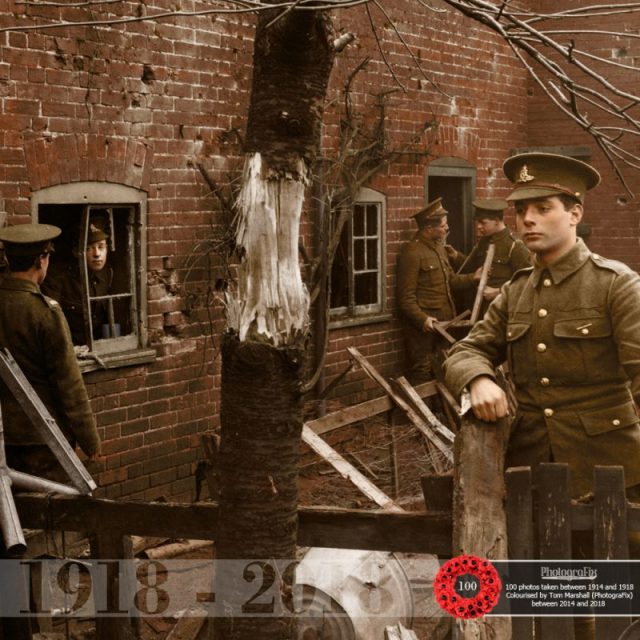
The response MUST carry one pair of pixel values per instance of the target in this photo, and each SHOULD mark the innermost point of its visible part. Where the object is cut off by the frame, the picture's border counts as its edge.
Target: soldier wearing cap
(510, 253)
(569, 327)
(64, 283)
(36, 333)
(424, 282)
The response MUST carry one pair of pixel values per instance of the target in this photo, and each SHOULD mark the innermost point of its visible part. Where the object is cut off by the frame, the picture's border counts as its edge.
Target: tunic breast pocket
(585, 348)
(430, 270)
(517, 352)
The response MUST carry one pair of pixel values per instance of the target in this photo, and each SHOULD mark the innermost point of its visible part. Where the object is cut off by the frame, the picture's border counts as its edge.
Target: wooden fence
(540, 520)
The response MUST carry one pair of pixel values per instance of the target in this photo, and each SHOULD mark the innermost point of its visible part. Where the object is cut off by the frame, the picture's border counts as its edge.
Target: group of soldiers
(567, 322)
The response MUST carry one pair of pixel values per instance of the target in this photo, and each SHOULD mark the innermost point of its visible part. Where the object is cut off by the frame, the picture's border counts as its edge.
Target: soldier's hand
(488, 400)
(427, 327)
(477, 274)
(451, 252)
(490, 293)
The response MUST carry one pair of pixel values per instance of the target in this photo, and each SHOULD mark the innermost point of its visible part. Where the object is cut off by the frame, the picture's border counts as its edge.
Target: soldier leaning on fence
(424, 282)
(570, 329)
(510, 255)
(36, 333)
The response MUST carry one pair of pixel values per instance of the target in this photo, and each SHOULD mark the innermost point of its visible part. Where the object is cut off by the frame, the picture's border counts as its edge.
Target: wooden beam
(480, 523)
(484, 276)
(348, 471)
(411, 532)
(358, 412)
(417, 420)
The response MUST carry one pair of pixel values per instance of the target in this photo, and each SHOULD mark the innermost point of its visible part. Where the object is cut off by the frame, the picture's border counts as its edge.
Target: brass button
(584, 332)
(542, 313)
(616, 422)
(545, 382)
(548, 413)
(509, 334)
(542, 347)
(546, 282)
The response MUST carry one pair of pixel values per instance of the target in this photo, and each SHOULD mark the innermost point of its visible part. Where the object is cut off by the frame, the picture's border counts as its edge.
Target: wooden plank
(484, 276)
(480, 523)
(348, 471)
(393, 457)
(318, 526)
(554, 532)
(610, 537)
(409, 532)
(418, 422)
(438, 328)
(451, 407)
(364, 410)
(520, 534)
(421, 408)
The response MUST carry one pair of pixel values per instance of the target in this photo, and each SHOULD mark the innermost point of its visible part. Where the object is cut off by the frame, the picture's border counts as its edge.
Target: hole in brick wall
(148, 76)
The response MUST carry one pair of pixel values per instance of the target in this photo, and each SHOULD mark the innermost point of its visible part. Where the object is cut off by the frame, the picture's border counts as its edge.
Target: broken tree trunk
(479, 517)
(263, 351)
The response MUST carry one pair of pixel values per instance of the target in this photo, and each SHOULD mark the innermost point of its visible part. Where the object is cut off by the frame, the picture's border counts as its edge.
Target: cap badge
(525, 176)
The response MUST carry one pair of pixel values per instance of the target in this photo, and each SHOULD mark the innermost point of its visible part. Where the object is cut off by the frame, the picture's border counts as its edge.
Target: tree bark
(263, 350)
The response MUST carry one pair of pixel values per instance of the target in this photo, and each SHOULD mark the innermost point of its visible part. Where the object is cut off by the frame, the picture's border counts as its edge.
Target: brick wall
(143, 104)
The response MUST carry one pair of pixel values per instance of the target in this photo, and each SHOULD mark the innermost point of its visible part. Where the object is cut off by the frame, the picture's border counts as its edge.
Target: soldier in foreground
(36, 333)
(570, 329)
(424, 282)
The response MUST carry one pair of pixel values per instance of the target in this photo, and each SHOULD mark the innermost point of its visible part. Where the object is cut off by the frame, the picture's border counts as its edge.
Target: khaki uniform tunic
(424, 282)
(571, 335)
(36, 333)
(64, 284)
(510, 256)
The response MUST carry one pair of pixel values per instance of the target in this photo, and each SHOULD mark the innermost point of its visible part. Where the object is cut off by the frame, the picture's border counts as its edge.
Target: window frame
(353, 314)
(118, 351)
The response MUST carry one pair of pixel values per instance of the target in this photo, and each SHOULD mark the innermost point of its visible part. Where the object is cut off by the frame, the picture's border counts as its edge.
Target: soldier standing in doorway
(510, 255)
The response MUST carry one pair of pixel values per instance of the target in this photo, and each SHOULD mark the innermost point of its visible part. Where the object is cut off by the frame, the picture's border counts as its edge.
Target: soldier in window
(64, 284)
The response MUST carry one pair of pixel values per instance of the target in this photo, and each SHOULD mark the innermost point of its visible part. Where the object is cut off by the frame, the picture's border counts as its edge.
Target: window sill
(117, 359)
(341, 322)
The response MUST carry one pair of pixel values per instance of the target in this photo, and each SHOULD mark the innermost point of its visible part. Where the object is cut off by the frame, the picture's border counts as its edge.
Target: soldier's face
(96, 255)
(487, 226)
(438, 232)
(547, 228)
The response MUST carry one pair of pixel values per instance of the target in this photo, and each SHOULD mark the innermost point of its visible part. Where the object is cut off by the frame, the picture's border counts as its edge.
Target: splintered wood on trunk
(261, 416)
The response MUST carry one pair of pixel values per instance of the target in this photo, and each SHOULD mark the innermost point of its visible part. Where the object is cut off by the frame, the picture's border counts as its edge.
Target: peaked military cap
(537, 175)
(433, 211)
(28, 239)
(96, 232)
(489, 208)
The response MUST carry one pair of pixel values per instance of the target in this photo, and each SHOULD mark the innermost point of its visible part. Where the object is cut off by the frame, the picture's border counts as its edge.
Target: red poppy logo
(462, 574)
